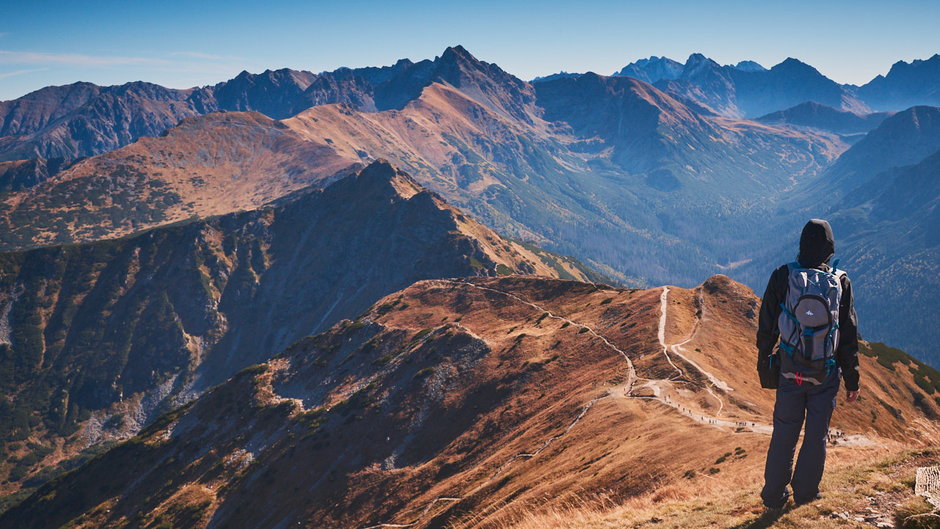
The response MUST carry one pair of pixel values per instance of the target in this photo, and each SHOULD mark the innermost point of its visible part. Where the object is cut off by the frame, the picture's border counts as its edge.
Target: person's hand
(852, 396)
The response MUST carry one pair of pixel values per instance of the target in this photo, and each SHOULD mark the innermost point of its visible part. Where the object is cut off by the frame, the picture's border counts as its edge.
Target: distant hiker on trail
(808, 305)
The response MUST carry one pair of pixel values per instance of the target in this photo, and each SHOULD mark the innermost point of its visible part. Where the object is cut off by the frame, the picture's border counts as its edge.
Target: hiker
(808, 305)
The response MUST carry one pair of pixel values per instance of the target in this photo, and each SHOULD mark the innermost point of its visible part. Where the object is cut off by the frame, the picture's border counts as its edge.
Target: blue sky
(183, 44)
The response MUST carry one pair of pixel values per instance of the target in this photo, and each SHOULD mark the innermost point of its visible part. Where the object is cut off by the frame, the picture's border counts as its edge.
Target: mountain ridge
(444, 416)
(103, 336)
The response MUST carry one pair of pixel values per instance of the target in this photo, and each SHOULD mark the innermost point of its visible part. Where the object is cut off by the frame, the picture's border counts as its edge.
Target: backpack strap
(787, 348)
(789, 314)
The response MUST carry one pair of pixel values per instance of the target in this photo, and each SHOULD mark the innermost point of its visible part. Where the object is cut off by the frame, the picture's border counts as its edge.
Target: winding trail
(628, 387)
(677, 350)
(631, 373)
(662, 331)
(714, 381)
(677, 347)
(624, 390)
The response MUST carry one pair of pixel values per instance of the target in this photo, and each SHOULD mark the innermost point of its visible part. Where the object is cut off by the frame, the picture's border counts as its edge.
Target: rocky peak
(653, 69)
(697, 64)
(380, 177)
(750, 66)
(795, 66)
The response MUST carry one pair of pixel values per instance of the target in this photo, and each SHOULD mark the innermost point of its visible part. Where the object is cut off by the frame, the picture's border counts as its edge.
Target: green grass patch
(503, 270)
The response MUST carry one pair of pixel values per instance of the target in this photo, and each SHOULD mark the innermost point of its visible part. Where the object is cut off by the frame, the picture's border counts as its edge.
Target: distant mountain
(498, 147)
(789, 83)
(655, 134)
(453, 402)
(903, 139)
(750, 66)
(209, 165)
(705, 83)
(906, 85)
(746, 89)
(98, 338)
(551, 77)
(819, 116)
(83, 119)
(18, 175)
(652, 69)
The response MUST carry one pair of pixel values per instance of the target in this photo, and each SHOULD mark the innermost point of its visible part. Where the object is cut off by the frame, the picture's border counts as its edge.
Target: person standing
(808, 313)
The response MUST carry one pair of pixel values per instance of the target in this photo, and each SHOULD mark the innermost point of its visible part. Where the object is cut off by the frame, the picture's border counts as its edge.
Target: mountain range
(748, 89)
(645, 185)
(339, 300)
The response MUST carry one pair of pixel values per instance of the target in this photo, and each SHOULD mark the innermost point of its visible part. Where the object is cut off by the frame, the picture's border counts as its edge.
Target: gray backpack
(809, 323)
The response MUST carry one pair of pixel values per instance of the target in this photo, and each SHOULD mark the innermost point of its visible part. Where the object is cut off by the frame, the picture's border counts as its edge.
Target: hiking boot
(804, 501)
(778, 505)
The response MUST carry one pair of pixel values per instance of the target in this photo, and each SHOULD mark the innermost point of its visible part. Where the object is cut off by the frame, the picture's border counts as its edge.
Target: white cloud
(4, 75)
(31, 57)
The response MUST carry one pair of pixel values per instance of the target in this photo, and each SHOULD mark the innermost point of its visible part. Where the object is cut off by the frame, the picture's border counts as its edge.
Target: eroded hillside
(97, 339)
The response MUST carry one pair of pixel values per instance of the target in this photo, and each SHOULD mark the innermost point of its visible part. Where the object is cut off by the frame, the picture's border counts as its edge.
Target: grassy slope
(862, 487)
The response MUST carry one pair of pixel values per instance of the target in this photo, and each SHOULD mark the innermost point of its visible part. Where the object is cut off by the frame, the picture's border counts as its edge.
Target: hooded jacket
(817, 246)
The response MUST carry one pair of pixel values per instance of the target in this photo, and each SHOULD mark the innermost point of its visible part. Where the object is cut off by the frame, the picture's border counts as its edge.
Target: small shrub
(356, 325)
(422, 333)
(607, 301)
(256, 369)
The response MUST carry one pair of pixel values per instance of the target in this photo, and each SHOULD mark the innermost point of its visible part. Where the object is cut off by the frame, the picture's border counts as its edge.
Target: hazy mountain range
(646, 185)
(749, 89)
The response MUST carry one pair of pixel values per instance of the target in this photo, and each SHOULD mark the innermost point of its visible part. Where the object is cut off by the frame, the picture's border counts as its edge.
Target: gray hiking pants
(794, 404)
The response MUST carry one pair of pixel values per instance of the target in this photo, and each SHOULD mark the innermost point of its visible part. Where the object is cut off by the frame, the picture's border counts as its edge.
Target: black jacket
(816, 248)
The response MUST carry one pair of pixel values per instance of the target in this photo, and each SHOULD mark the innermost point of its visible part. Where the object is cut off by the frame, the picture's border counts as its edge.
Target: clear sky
(183, 44)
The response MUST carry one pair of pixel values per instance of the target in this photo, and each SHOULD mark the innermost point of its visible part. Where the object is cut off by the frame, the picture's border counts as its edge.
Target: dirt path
(714, 381)
(625, 390)
(631, 373)
(661, 334)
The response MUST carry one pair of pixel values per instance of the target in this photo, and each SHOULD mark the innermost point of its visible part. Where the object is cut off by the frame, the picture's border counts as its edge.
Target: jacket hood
(817, 245)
